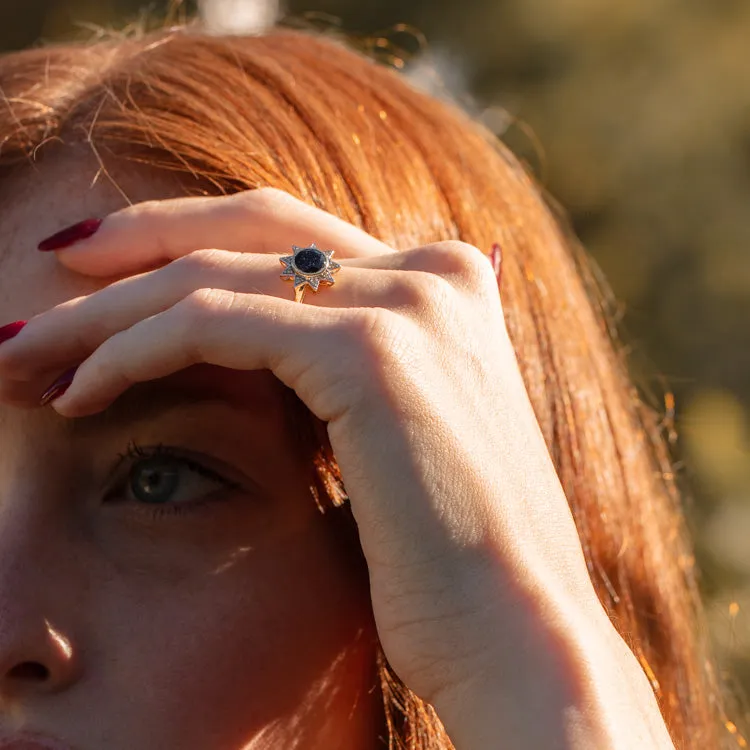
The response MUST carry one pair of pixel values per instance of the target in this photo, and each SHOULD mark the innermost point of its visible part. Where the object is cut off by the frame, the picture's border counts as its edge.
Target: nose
(35, 656)
(38, 654)
(44, 571)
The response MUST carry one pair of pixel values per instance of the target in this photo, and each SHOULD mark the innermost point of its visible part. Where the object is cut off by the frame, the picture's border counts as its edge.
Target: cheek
(250, 645)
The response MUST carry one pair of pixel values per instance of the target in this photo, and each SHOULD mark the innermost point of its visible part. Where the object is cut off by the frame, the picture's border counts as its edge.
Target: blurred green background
(642, 110)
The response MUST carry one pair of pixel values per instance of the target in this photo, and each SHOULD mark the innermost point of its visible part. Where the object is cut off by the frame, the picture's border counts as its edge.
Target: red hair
(301, 112)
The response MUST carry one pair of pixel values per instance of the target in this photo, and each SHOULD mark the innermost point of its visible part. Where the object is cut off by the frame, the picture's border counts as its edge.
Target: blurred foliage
(643, 110)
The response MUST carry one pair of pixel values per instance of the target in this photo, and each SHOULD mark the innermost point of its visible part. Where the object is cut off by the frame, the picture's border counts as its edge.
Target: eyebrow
(147, 402)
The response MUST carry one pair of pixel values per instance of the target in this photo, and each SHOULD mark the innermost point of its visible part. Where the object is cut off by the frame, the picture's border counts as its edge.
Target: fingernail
(10, 330)
(58, 387)
(70, 235)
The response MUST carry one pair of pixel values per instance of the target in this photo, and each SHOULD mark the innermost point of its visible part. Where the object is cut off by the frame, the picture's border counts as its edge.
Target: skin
(242, 623)
(477, 581)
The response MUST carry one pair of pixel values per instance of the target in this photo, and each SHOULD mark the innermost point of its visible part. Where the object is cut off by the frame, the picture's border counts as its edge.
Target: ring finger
(69, 332)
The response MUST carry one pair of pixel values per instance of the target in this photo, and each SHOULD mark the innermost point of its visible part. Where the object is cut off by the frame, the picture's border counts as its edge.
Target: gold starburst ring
(308, 267)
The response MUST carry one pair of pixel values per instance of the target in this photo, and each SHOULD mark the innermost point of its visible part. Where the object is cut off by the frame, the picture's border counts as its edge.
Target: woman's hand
(473, 555)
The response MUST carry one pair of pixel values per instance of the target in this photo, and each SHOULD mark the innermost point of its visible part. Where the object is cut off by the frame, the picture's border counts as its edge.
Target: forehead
(61, 189)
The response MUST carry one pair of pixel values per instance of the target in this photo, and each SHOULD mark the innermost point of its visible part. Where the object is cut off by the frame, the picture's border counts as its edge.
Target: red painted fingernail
(496, 256)
(10, 330)
(58, 387)
(70, 235)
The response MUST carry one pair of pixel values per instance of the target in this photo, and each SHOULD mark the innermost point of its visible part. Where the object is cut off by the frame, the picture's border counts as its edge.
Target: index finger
(264, 220)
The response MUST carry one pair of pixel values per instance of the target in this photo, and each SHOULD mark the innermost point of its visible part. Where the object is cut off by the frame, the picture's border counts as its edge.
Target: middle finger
(70, 331)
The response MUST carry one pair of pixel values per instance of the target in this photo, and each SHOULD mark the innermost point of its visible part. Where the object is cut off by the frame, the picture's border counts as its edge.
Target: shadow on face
(166, 579)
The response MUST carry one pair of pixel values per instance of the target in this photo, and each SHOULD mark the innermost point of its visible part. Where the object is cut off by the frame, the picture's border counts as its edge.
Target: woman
(427, 514)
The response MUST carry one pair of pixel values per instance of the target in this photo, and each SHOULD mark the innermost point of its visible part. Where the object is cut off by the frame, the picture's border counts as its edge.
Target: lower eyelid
(157, 511)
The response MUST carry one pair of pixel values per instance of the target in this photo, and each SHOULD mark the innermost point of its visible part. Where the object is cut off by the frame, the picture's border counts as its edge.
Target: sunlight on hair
(732, 729)
(238, 16)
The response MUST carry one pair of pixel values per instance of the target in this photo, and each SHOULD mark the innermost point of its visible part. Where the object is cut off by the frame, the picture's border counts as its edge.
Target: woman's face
(144, 604)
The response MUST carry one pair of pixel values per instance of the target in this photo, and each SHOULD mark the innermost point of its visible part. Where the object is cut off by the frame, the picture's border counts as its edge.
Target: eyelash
(135, 453)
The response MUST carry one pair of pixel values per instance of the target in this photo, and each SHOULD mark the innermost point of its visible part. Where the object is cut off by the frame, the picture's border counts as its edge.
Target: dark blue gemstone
(310, 261)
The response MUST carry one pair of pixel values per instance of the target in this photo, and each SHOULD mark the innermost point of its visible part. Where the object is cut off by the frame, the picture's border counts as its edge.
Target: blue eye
(171, 483)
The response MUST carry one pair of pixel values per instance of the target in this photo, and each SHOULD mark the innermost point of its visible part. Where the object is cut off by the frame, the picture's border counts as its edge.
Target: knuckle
(267, 200)
(88, 330)
(423, 290)
(196, 314)
(147, 208)
(199, 304)
(362, 323)
(198, 261)
(373, 333)
(465, 264)
(151, 216)
(458, 265)
(457, 258)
